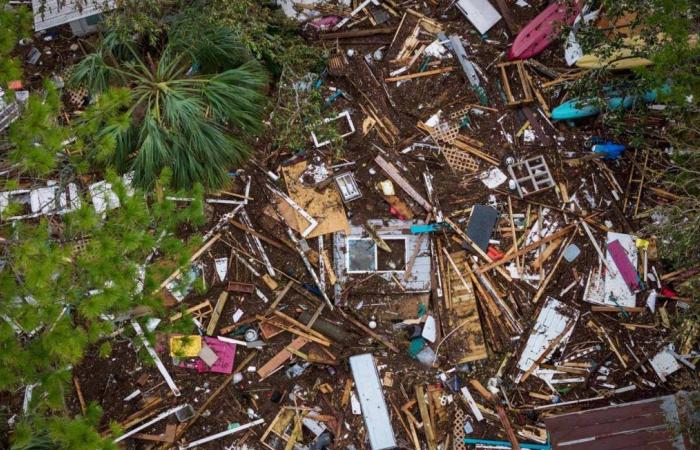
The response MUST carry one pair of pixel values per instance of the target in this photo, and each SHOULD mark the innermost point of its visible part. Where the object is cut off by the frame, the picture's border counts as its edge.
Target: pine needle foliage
(36, 136)
(15, 23)
(60, 292)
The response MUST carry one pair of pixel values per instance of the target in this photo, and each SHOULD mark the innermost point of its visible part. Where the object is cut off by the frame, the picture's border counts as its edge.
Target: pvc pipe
(222, 434)
(160, 417)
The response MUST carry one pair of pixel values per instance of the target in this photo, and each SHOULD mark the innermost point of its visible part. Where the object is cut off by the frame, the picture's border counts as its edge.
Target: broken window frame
(376, 254)
(345, 114)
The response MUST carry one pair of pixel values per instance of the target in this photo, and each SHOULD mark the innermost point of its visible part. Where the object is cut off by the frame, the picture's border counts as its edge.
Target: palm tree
(189, 110)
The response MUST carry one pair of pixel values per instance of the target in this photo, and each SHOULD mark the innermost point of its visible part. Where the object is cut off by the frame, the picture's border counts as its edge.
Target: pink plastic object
(624, 266)
(543, 29)
(224, 350)
(325, 23)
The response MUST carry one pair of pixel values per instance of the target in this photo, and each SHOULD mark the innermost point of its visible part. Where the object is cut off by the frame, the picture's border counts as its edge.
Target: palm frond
(93, 72)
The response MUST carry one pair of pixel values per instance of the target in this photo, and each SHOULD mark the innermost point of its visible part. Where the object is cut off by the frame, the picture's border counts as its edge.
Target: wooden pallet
(468, 341)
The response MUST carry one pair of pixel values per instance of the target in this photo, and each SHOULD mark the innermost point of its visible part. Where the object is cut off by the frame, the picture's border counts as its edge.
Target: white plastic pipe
(154, 355)
(222, 434)
(158, 418)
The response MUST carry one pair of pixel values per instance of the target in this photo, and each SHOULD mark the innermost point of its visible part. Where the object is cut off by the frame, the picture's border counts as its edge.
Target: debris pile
(469, 272)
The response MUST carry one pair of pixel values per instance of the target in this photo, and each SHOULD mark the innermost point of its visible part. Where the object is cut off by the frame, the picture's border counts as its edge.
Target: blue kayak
(579, 109)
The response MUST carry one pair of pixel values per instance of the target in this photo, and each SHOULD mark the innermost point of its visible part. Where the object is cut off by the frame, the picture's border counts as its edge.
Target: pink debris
(543, 29)
(325, 23)
(224, 350)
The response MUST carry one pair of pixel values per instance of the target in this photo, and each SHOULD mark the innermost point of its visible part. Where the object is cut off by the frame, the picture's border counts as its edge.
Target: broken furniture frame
(533, 171)
(519, 74)
(285, 427)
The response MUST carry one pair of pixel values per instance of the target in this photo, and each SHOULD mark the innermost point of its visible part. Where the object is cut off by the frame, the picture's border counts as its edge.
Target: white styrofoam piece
(374, 410)
(553, 319)
(614, 283)
(103, 197)
(429, 329)
(664, 363)
(221, 267)
(480, 13)
(472, 404)
(355, 405)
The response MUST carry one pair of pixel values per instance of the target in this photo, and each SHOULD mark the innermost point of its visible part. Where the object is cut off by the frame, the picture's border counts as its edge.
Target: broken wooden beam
(394, 174)
(427, 73)
(358, 33)
(528, 248)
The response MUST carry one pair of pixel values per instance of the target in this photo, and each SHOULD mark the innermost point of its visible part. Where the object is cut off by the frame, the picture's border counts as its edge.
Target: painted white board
(480, 13)
(553, 319)
(374, 411)
(615, 285)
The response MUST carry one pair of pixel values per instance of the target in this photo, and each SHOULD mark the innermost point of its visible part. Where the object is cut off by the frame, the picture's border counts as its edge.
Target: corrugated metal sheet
(647, 424)
(52, 13)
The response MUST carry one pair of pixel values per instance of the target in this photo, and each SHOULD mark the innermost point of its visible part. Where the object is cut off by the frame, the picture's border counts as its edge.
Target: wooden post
(220, 303)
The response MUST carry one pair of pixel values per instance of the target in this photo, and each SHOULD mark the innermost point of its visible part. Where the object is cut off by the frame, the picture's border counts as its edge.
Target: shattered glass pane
(362, 255)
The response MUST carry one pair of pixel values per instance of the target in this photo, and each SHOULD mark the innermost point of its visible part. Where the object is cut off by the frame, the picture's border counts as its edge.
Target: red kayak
(543, 29)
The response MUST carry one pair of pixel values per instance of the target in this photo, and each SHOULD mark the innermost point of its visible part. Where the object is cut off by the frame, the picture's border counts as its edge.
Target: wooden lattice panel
(445, 132)
(458, 115)
(458, 430)
(76, 96)
(460, 161)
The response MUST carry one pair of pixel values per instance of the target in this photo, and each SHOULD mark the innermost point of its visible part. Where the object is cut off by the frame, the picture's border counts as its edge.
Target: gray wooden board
(374, 410)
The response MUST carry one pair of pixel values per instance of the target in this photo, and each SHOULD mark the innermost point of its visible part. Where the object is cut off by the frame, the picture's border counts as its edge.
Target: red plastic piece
(543, 29)
(668, 292)
(394, 212)
(494, 253)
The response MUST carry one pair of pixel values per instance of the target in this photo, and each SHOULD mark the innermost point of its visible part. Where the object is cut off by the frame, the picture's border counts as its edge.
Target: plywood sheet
(553, 320)
(326, 206)
(468, 344)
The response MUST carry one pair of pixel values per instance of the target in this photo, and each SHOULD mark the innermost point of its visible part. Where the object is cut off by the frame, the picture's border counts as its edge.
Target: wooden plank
(423, 408)
(463, 317)
(220, 303)
(298, 332)
(287, 245)
(79, 391)
(359, 33)
(503, 417)
(505, 10)
(280, 358)
(617, 309)
(528, 248)
(427, 73)
(401, 181)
